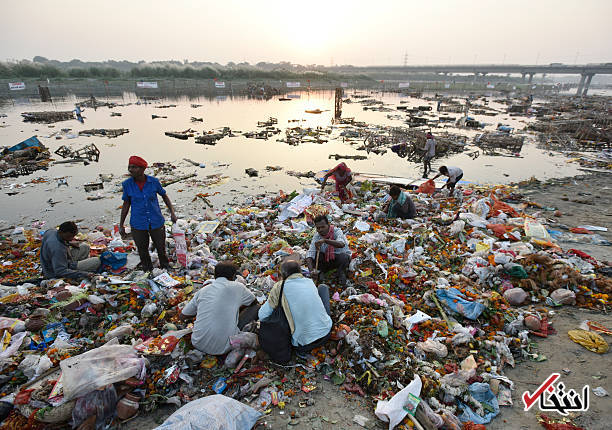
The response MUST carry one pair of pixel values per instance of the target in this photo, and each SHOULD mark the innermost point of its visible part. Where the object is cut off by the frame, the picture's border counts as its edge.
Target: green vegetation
(42, 71)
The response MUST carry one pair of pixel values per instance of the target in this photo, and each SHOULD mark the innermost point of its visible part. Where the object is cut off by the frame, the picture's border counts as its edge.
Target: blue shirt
(303, 307)
(146, 214)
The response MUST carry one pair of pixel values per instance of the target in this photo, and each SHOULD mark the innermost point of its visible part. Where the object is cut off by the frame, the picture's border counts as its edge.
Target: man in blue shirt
(306, 307)
(140, 193)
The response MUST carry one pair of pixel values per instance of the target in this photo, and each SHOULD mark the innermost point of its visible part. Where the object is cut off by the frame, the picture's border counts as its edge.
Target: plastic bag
(427, 187)
(243, 340)
(563, 296)
(215, 412)
(454, 299)
(28, 365)
(101, 403)
(481, 392)
(99, 367)
(434, 346)
(536, 230)
(591, 341)
(481, 207)
(515, 296)
(180, 245)
(392, 411)
(457, 227)
(122, 330)
(233, 358)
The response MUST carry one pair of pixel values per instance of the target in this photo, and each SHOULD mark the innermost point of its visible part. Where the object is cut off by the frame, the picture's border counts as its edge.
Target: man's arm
(124, 211)
(168, 203)
(59, 261)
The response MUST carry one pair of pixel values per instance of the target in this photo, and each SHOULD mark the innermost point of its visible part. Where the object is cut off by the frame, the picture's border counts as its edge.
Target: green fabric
(392, 211)
(517, 271)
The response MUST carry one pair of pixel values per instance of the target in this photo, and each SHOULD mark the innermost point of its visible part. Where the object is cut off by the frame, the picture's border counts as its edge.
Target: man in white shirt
(216, 308)
(332, 248)
(454, 175)
(430, 153)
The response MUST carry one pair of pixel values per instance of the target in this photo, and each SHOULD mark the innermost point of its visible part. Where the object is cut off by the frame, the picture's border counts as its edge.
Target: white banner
(490, 86)
(219, 84)
(344, 84)
(293, 84)
(16, 86)
(146, 84)
(404, 84)
(447, 85)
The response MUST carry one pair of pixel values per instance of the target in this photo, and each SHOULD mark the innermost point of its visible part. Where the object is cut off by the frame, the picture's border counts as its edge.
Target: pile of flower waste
(450, 299)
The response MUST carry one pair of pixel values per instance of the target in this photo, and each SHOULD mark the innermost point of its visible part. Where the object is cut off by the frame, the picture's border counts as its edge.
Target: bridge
(586, 71)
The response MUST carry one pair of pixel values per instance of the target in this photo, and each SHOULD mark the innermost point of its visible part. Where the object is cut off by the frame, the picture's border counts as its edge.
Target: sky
(325, 32)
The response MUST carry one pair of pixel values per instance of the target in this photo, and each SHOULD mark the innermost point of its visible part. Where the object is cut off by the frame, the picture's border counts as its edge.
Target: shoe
(425, 176)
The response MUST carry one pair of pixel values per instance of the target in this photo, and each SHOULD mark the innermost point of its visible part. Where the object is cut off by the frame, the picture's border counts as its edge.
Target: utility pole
(406, 59)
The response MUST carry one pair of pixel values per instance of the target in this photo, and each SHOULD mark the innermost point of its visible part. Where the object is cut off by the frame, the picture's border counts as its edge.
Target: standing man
(331, 247)
(140, 193)
(454, 175)
(60, 257)
(430, 153)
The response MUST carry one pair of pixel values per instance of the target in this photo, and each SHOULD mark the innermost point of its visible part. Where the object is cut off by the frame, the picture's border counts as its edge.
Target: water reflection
(233, 153)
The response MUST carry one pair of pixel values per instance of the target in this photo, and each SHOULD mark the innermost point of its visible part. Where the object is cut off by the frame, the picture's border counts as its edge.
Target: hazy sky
(373, 32)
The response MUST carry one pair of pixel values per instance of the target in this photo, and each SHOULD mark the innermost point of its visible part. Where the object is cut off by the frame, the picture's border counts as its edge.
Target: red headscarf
(135, 160)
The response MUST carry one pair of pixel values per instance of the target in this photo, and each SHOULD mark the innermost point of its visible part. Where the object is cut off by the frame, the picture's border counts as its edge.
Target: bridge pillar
(586, 85)
(530, 77)
(523, 76)
(580, 84)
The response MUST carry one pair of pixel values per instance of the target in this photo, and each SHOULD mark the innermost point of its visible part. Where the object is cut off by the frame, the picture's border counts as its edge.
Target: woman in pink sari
(343, 176)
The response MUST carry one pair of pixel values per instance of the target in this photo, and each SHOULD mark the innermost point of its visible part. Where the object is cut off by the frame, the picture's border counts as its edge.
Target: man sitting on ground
(401, 205)
(60, 257)
(216, 308)
(305, 305)
(330, 246)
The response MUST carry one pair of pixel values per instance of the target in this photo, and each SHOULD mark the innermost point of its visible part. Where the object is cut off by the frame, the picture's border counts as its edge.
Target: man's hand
(173, 217)
(122, 232)
(314, 274)
(319, 243)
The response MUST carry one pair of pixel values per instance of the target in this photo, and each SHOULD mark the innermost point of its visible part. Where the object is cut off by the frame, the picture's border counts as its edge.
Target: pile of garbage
(434, 311)
(24, 158)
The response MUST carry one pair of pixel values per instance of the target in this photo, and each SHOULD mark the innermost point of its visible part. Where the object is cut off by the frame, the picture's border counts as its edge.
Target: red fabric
(499, 206)
(428, 187)
(342, 176)
(582, 255)
(135, 160)
(580, 230)
(330, 252)
(141, 184)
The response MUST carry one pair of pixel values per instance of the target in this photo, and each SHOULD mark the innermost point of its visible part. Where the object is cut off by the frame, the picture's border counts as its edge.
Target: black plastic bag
(275, 333)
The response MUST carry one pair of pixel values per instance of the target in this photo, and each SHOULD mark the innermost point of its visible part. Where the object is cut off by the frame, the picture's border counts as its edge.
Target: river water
(230, 157)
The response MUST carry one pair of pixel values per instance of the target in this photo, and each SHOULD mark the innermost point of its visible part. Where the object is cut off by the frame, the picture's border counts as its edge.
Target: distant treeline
(43, 71)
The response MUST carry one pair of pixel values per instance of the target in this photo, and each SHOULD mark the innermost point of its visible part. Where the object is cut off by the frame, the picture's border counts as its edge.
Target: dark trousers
(248, 314)
(340, 263)
(407, 210)
(158, 236)
(451, 184)
(323, 291)
(426, 165)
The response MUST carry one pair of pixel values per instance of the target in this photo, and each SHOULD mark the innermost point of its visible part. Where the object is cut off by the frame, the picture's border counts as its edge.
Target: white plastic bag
(216, 412)
(392, 411)
(99, 367)
(180, 244)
